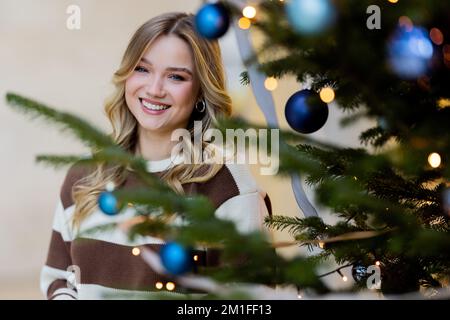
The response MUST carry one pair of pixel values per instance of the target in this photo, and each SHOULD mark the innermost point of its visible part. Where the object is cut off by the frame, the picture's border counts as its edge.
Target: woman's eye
(140, 69)
(176, 77)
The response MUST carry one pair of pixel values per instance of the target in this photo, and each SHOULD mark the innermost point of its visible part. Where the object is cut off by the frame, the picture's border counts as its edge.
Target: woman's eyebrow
(189, 72)
(182, 69)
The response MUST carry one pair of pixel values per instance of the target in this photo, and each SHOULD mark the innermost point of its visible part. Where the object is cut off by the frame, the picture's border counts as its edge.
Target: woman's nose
(155, 87)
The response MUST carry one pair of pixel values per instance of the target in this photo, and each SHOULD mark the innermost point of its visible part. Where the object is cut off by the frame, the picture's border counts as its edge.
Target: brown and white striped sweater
(104, 260)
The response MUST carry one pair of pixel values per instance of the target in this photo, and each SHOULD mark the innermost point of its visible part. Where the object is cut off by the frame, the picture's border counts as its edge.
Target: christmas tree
(382, 60)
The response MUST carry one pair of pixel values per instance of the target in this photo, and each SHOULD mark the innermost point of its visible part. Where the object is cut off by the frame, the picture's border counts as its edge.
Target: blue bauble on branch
(359, 272)
(108, 203)
(212, 20)
(310, 17)
(305, 112)
(175, 258)
(446, 201)
(410, 50)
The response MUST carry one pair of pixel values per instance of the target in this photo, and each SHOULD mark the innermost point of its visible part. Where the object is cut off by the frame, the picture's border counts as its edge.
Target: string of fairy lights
(327, 94)
(249, 12)
(170, 285)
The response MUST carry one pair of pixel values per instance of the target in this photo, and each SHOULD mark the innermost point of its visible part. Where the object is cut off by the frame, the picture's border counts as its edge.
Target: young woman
(169, 77)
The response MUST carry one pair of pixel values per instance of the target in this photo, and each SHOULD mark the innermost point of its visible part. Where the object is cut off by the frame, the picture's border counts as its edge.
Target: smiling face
(162, 90)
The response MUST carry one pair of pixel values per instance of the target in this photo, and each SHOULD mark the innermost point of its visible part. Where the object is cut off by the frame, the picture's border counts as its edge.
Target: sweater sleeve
(59, 276)
(247, 208)
(247, 211)
(57, 281)
(249, 204)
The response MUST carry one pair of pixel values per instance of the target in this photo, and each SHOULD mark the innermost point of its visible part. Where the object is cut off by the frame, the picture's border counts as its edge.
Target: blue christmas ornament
(410, 50)
(108, 203)
(359, 272)
(446, 201)
(305, 112)
(212, 20)
(175, 258)
(310, 16)
(383, 124)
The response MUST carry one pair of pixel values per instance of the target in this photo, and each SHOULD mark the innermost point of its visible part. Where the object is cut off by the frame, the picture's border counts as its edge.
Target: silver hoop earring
(200, 106)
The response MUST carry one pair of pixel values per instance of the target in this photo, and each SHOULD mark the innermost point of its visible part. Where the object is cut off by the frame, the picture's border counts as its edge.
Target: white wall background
(71, 70)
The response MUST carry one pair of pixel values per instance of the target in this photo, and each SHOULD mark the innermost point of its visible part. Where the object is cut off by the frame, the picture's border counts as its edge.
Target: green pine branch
(80, 128)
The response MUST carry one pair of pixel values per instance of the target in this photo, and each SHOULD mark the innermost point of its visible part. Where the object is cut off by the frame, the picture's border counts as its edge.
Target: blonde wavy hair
(208, 66)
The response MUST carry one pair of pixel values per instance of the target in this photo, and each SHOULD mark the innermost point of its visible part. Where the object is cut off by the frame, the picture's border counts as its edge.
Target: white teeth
(154, 107)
